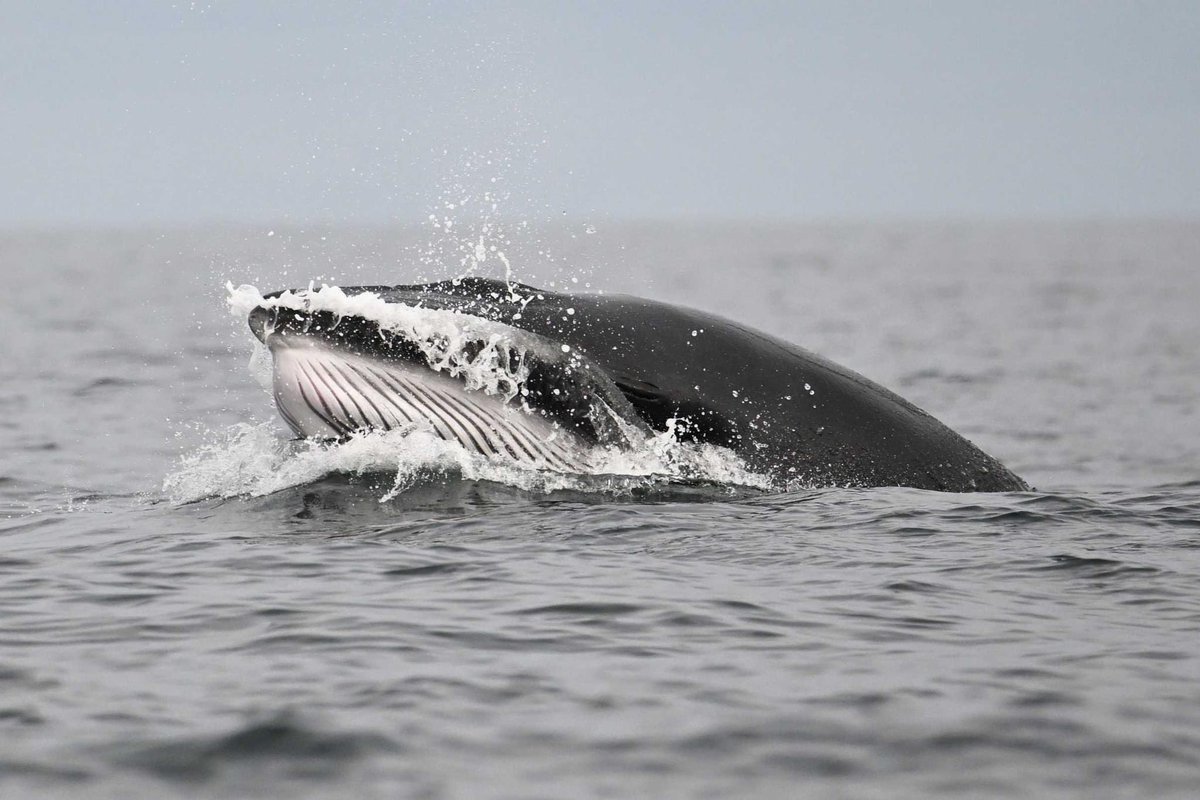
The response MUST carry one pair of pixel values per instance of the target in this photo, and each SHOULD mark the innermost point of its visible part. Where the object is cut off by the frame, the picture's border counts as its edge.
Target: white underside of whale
(323, 392)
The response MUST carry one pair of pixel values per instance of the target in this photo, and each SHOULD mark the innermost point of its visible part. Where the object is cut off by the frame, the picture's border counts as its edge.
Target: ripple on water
(282, 747)
(472, 639)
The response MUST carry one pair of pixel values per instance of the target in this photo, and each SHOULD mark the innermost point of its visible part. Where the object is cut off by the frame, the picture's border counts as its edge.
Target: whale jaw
(324, 392)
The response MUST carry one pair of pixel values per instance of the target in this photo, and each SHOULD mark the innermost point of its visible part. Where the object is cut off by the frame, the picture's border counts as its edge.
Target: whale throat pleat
(325, 393)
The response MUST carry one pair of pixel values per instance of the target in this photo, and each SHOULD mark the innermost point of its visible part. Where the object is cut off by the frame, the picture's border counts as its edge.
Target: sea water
(191, 604)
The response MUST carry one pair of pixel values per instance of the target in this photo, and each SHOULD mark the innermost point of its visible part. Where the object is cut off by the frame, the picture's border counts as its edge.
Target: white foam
(254, 460)
(442, 335)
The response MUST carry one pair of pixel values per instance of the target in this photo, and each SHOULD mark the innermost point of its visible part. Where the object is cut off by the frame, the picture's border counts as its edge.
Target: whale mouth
(322, 392)
(497, 391)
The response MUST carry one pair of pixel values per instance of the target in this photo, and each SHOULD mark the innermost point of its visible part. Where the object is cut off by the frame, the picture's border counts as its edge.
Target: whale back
(786, 411)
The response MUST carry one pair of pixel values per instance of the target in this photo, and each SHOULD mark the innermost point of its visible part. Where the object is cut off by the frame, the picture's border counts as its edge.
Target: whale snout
(260, 319)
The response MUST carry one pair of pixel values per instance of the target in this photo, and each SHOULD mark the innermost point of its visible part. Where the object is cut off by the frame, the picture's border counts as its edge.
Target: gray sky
(149, 112)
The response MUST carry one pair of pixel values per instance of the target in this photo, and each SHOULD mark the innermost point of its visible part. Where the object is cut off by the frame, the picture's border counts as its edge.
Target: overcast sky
(157, 112)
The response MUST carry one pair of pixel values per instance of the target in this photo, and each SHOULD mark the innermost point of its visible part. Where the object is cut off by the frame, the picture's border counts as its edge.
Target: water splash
(443, 336)
(254, 460)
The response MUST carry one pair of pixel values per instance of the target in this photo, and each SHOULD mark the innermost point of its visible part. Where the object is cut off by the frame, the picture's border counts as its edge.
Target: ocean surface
(191, 606)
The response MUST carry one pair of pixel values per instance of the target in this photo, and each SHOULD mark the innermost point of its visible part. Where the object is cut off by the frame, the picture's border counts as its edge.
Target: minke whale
(541, 378)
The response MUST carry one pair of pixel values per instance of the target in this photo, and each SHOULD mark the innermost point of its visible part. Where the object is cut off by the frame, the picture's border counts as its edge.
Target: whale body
(570, 371)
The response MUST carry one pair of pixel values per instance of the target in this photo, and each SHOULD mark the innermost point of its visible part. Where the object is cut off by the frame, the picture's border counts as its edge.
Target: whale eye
(640, 392)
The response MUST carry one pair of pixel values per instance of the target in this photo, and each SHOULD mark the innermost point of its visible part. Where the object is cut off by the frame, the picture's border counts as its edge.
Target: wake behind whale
(558, 382)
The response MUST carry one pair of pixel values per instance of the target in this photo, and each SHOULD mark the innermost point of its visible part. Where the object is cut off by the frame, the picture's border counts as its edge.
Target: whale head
(444, 356)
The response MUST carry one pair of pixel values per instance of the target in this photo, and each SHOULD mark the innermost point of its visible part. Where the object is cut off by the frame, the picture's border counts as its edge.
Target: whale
(541, 378)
